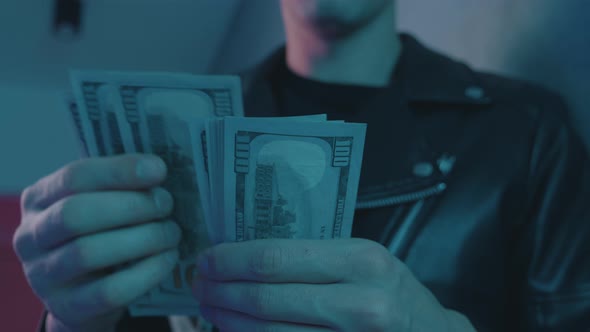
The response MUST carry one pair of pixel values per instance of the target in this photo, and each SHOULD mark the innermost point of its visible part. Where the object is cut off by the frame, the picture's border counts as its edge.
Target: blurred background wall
(546, 41)
(542, 40)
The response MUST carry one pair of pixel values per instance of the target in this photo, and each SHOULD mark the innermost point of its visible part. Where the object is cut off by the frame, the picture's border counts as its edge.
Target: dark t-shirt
(297, 95)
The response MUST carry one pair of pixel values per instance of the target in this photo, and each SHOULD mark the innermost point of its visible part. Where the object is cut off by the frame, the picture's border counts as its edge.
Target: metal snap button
(423, 169)
(446, 163)
(474, 92)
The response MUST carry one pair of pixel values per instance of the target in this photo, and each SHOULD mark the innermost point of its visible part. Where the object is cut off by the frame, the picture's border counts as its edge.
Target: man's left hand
(315, 285)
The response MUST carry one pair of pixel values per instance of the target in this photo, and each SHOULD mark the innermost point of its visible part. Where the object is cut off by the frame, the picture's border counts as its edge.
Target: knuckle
(268, 262)
(262, 298)
(69, 177)
(135, 202)
(375, 259)
(27, 198)
(67, 212)
(375, 312)
(17, 242)
(25, 242)
(78, 256)
(115, 173)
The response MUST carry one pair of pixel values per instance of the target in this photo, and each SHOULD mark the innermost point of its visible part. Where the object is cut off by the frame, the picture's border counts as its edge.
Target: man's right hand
(82, 222)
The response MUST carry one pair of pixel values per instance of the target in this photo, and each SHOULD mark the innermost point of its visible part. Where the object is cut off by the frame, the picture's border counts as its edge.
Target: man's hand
(84, 220)
(315, 285)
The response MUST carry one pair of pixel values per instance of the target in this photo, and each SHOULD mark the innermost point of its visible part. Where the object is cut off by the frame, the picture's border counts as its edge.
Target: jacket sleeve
(555, 239)
(128, 324)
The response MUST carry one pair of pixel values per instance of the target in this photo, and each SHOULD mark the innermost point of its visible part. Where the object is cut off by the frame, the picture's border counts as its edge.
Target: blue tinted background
(541, 40)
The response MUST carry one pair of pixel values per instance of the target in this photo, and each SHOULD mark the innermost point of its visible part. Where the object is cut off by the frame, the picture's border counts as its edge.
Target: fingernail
(162, 199)
(150, 169)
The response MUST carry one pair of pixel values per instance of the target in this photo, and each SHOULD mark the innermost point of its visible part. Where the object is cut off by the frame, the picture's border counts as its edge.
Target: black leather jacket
(490, 207)
(487, 201)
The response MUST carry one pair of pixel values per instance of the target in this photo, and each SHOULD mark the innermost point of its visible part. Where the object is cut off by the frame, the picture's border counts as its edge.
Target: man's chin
(332, 28)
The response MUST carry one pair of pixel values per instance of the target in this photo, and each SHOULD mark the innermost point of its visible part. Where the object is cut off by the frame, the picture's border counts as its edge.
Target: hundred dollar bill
(74, 113)
(214, 137)
(156, 115)
(95, 109)
(152, 112)
(289, 179)
(136, 92)
(173, 141)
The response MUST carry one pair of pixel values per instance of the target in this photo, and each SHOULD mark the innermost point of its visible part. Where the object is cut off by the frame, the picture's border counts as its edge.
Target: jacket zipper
(400, 199)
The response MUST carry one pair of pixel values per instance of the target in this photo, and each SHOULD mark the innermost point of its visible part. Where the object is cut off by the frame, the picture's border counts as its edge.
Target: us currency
(288, 179)
(96, 104)
(153, 112)
(178, 117)
(157, 114)
(74, 113)
(214, 144)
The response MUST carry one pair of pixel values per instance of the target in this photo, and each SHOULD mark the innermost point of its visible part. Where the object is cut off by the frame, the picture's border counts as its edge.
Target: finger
(88, 213)
(293, 303)
(101, 250)
(300, 261)
(123, 172)
(228, 320)
(341, 307)
(114, 291)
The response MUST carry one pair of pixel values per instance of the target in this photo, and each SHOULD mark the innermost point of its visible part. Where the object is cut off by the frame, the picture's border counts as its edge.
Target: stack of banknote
(233, 178)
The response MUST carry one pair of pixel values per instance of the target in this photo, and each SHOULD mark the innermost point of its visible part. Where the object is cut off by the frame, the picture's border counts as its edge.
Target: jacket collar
(429, 81)
(427, 78)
